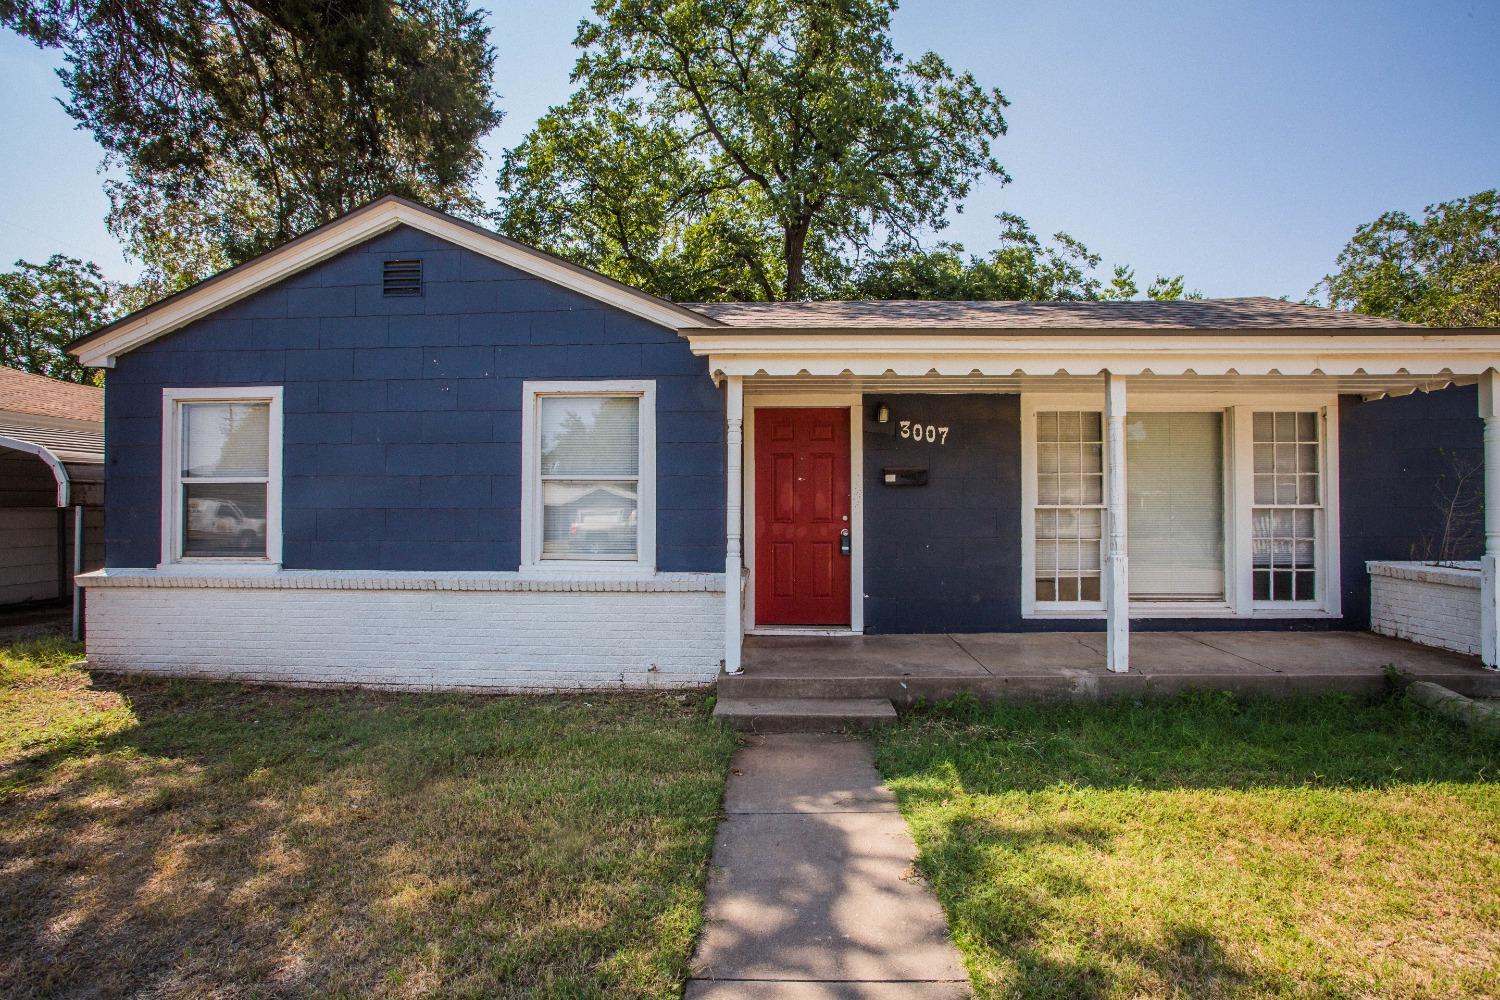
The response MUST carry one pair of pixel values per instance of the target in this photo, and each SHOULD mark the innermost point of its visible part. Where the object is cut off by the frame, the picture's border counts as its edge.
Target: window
(1229, 507)
(1069, 505)
(1288, 507)
(590, 490)
(221, 459)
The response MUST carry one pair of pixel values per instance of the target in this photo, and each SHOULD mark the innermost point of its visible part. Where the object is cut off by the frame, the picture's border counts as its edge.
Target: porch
(1054, 665)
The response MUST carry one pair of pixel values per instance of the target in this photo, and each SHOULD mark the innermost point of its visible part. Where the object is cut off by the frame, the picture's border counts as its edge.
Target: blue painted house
(403, 450)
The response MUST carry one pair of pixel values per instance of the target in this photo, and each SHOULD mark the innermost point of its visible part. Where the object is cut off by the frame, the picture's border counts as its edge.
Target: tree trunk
(794, 244)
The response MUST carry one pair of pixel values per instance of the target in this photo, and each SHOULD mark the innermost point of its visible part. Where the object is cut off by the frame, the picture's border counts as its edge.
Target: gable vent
(403, 277)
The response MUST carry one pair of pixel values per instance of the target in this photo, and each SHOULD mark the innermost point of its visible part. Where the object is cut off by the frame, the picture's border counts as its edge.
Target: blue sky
(1238, 143)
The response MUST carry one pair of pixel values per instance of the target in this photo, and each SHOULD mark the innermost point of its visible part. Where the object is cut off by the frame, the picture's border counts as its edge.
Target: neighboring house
(51, 458)
(404, 450)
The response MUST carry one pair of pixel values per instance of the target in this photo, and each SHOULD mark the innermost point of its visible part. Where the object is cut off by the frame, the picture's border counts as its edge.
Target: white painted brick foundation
(1432, 605)
(451, 631)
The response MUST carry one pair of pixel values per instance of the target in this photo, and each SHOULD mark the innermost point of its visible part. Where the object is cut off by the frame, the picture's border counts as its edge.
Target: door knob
(844, 548)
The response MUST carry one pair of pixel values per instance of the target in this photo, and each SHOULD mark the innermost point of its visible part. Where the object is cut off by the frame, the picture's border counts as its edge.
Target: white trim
(531, 493)
(734, 524)
(59, 470)
(855, 403)
(358, 226)
(171, 441)
(1238, 500)
(1115, 584)
(1439, 353)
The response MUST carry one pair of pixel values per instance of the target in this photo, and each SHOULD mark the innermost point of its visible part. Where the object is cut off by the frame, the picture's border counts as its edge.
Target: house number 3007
(924, 432)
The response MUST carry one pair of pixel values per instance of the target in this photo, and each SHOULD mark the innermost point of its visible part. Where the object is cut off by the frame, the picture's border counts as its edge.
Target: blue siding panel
(1392, 455)
(947, 556)
(403, 416)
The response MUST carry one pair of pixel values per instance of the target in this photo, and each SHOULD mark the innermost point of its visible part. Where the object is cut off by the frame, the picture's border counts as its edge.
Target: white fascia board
(1090, 353)
(352, 230)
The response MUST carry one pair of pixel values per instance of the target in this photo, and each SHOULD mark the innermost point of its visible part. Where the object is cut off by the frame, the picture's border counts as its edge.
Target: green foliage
(746, 149)
(238, 124)
(44, 307)
(1441, 270)
(1021, 267)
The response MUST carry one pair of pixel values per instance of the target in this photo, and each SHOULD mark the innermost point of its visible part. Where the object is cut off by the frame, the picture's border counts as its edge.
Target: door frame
(855, 403)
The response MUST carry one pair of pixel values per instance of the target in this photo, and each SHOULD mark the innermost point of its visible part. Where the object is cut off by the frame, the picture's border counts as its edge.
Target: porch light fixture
(882, 413)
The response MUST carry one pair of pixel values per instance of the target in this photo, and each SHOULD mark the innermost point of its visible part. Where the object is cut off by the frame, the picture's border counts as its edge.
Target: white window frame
(172, 401)
(532, 394)
(1239, 501)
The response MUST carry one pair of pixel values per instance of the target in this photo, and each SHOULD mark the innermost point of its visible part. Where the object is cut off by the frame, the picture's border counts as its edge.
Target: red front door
(801, 516)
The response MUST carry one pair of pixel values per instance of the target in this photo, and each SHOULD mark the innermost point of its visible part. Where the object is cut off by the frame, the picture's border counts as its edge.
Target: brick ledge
(1462, 574)
(395, 580)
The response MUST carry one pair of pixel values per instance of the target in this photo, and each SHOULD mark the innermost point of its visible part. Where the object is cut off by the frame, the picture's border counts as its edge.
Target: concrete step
(803, 715)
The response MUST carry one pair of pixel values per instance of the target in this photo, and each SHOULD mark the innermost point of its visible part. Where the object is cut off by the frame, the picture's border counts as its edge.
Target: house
(51, 458)
(404, 450)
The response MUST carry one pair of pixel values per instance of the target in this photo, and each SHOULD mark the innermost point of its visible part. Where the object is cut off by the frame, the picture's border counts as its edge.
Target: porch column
(734, 435)
(1116, 563)
(1489, 592)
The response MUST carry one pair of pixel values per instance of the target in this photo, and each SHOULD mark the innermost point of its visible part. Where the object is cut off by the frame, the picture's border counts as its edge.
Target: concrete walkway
(813, 895)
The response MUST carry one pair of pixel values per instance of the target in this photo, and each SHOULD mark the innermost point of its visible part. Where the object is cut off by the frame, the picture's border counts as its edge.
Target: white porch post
(734, 427)
(1489, 592)
(1116, 563)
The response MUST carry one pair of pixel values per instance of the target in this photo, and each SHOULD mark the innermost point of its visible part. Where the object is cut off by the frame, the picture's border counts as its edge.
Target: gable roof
(100, 348)
(38, 395)
(906, 315)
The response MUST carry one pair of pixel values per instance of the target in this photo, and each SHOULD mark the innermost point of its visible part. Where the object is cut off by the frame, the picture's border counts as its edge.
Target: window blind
(590, 470)
(1175, 497)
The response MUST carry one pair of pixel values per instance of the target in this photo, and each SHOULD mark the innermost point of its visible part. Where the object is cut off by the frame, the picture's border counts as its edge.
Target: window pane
(588, 436)
(224, 519)
(583, 520)
(226, 439)
(1070, 462)
(1176, 505)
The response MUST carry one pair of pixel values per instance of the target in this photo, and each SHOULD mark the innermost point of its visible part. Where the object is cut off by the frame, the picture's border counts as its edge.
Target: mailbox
(903, 476)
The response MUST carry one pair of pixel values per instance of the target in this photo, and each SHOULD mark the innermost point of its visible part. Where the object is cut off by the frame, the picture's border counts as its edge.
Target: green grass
(190, 839)
(1206, 847)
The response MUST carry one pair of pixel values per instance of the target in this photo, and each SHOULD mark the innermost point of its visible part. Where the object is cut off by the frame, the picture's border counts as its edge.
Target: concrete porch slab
(862, 655)
(1051, 665)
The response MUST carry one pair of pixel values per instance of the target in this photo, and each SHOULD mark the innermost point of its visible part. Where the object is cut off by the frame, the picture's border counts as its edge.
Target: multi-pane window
(1288, 506)
(1069, 505)
(590, 454)
(223, 490)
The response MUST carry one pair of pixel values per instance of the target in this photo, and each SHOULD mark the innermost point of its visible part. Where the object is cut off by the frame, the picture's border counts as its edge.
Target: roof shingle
(23, 392)
(1252, 313)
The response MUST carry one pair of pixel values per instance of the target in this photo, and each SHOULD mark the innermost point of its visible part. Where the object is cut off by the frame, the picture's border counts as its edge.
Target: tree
(45, 307)
(746, 148)
(235, 125)
(1022, 267)
(1441, 270)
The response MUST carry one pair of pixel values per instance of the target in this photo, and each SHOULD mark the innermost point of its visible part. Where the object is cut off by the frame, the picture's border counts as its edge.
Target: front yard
(190, 839)
(1208, 848)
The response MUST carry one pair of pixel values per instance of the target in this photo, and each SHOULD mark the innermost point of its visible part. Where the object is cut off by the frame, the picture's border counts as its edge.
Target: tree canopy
(1021, 267)
(1441, 270)
(747, 149)
(235, 125)
(44, 307)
